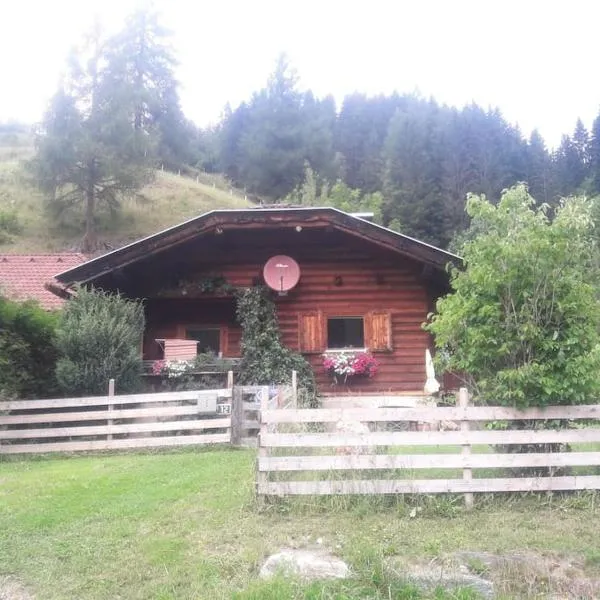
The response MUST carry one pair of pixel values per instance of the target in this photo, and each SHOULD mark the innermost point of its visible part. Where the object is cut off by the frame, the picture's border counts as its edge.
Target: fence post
(237, 415)
(262, 476)
(295, 389)
(463, 402)
(229, 380)
(111, 399)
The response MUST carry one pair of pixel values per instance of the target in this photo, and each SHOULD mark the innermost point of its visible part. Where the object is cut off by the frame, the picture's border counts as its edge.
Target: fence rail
(337, 451)
(116, 422)
(138, 420)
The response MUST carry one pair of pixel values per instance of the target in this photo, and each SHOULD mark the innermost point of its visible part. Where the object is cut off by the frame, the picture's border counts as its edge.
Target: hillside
(170, 199)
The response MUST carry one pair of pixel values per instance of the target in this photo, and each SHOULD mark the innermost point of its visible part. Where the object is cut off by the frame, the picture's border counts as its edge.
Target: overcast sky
(534, 59)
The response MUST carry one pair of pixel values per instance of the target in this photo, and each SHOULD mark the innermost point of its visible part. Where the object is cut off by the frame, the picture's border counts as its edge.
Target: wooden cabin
(361, 286)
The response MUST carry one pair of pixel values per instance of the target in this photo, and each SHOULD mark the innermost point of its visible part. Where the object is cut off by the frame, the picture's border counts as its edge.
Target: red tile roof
(23, 276)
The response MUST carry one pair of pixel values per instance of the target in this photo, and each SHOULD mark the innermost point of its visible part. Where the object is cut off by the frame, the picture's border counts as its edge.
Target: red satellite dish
(281, 273)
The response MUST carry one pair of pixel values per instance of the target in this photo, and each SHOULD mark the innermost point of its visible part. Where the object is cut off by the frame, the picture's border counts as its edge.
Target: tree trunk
(90, 240)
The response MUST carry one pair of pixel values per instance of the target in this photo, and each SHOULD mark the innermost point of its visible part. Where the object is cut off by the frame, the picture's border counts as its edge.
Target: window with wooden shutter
(310, 332)
(378, 331)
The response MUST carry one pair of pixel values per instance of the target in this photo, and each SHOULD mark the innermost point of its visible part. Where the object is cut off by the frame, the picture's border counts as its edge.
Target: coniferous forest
(410, 160)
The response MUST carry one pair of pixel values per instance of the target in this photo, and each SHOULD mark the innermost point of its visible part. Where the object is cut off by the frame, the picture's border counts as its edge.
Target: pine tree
(87, 151)
(538, 168)
(569, 169)
(581, 140)
(140, 67)
(412, 187)
(594, 156)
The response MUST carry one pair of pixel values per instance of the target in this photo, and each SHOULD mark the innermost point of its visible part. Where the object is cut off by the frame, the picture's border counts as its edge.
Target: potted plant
(345, 365)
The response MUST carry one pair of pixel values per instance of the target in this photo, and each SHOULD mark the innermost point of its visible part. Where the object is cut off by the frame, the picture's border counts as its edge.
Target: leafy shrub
(265, 360)
(206, 371)
(524, 318)
(98, 338)
(27, 350)
(9, 225)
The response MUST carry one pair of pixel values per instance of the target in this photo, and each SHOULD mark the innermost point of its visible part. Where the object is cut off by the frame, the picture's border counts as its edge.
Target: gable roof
(240, 218)
(24, 276)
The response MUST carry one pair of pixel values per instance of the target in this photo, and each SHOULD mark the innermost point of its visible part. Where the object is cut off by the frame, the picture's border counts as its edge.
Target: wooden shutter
(378, 331)
(311, 334)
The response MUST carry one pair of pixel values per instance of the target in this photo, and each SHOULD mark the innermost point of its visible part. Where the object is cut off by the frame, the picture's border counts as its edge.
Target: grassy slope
(170, 200)
(184, 525)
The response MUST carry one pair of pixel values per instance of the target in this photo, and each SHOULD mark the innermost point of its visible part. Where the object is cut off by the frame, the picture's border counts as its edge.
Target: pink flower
(348, 364)
(158, 367)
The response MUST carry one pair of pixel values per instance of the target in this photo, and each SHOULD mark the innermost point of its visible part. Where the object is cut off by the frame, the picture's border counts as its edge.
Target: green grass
(185, 525)
(169, 200)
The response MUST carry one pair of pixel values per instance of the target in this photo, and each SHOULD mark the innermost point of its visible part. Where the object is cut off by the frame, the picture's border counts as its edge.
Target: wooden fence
(336, 451)
(229, 415)
(116, 422)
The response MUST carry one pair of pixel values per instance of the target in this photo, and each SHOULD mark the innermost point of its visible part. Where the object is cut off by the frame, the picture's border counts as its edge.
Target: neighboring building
(24, 276)
(360, 286)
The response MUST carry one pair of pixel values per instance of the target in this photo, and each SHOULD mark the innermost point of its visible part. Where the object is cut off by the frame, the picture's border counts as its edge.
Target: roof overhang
(255, 218)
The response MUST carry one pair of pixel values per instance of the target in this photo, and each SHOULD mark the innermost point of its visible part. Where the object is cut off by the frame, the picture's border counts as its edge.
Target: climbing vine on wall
(265, 360)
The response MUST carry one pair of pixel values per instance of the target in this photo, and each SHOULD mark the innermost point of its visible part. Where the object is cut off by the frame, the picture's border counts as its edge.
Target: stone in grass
(308, 565)
(11, 589)
(429, 577)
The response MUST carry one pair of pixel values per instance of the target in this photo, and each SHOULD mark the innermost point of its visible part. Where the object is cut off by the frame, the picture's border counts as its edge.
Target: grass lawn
(169, 200)
(185, 525)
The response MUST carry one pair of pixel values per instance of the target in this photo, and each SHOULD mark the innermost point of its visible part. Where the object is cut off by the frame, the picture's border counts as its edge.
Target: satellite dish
(281, 273)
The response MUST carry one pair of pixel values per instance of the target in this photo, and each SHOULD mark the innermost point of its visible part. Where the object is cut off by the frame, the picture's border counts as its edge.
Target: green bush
(99, 337)
(523, 320)
(27, 350)
(265, 360)
(9, 225)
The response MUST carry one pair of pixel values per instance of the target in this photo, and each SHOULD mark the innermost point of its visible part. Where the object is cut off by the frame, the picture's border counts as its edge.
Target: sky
(536, 60)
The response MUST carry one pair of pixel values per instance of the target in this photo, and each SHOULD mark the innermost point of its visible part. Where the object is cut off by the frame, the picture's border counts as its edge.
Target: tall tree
(87, 150)
(594, 156)
(538, 165)
(581, 140)
(568, 167)
(141, 64)
(361, 131)
(412, 175)
(265, 140)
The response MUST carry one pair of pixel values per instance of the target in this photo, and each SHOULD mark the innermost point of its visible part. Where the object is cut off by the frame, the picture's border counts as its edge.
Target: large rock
(306, 564)
(430, 577)
(11, 589)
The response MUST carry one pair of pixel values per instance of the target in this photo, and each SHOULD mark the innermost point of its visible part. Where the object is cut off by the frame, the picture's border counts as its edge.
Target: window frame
(362, 348)
(182, 330)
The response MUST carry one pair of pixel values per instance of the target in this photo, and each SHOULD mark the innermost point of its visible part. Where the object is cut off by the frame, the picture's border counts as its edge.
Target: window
(208, 338)
(345, 332)
(318, 333)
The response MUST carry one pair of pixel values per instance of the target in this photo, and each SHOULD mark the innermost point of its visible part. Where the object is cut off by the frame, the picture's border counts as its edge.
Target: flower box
(345, 365)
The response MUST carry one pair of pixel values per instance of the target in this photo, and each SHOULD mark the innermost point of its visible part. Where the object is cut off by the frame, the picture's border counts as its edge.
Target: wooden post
(262, 477)
(111, 399)
(237, 415)
(295, 389)
(463, 402)
(229, 380)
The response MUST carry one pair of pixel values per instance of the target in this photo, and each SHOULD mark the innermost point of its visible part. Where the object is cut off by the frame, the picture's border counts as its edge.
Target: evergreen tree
(361, 131)
(266, 141)
(87, 151)
(538, 168)
(140, 66)
(581, 140)
(569, 169)
(412, 187)
(457, 175)
(594, 156)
